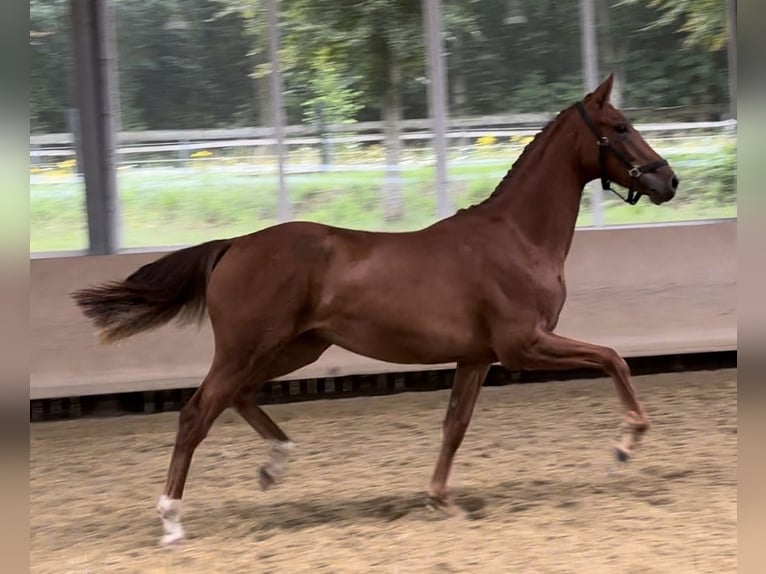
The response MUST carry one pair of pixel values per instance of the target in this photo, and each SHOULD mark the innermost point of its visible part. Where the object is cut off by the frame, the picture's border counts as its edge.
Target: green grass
(181, 208)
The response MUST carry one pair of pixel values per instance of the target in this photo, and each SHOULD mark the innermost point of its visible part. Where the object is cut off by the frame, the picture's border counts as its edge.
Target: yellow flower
(486, 140)
(66, 164)
(521, 140)
(202, 153)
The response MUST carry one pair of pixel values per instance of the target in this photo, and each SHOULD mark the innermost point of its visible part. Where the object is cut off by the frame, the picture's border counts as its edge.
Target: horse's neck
(541, 195)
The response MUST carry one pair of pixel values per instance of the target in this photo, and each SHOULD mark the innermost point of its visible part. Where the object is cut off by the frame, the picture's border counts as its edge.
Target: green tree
(51, 66)
(180, 66)
(332, 97)
(702, 22)
(252, 13)
(382, 42)
(204, 63)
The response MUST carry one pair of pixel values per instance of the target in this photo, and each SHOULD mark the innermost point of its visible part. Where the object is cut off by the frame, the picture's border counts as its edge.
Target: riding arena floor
(532, 475)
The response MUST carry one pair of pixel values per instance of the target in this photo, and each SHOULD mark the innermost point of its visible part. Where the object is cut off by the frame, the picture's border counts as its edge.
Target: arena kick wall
(644, 290)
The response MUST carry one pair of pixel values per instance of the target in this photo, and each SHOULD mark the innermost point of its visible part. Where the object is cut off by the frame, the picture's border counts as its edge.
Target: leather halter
(635, 171)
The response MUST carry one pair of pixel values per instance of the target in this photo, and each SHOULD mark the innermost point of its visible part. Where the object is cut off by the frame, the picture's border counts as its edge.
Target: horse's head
(613, 150)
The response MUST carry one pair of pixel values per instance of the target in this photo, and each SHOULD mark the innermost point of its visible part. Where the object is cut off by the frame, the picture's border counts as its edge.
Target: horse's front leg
(465, 390)
(551, 351)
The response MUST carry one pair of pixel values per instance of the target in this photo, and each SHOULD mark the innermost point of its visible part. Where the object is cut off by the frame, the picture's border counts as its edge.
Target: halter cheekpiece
(634, 171)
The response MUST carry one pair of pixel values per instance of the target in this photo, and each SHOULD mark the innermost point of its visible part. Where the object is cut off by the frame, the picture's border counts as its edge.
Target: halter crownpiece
(634, 171)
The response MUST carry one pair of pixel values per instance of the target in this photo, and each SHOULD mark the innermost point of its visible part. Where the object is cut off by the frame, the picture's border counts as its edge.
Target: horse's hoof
(445, 506)
(621, 454)
(175, 539)
(265, 478)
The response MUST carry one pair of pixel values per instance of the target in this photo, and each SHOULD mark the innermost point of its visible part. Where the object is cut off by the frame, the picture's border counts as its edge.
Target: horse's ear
(601, 94)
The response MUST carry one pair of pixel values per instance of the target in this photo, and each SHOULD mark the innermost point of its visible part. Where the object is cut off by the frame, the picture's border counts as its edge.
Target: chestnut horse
(481, 286)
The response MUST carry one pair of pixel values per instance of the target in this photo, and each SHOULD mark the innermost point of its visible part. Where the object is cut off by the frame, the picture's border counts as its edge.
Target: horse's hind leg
(275, 467)
(469, 379)
(229, 372)
(301, 352)
(194, 422)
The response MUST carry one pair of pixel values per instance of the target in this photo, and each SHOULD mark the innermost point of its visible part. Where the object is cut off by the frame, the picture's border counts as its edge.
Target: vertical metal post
(589, 47)
(731, 25)
(437, 92)
(590, 76)
(96, 104)
(110, 39)
(325, 143)
(284, 209)
(73, 121)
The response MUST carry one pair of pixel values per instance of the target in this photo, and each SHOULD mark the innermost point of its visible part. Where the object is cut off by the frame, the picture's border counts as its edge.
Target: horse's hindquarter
(404, 298)
(267, 280)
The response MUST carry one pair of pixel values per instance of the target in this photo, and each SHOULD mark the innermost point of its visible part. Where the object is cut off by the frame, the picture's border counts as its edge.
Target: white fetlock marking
(280, 456)
(170, 514)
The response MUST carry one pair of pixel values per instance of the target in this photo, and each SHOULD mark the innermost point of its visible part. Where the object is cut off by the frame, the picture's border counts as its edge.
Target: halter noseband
(634, 171)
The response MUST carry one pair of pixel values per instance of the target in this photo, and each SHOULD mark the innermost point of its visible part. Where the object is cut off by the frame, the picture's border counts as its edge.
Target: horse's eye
(621, 128)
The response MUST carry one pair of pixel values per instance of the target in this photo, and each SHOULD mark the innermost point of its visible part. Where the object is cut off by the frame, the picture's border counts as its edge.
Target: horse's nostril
(674, 182)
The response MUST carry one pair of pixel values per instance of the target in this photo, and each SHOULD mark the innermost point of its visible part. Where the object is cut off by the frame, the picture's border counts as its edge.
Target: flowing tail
(173, 286)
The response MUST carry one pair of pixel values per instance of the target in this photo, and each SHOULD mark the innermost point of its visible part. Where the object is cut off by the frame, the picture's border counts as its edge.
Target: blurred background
(350, 119)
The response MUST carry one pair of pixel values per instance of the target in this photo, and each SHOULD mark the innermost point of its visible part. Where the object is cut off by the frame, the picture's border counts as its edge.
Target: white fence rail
(187, 141)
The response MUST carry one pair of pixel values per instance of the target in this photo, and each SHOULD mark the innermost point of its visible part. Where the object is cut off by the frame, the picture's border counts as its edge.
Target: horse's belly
(414, 309)
(416, 341)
